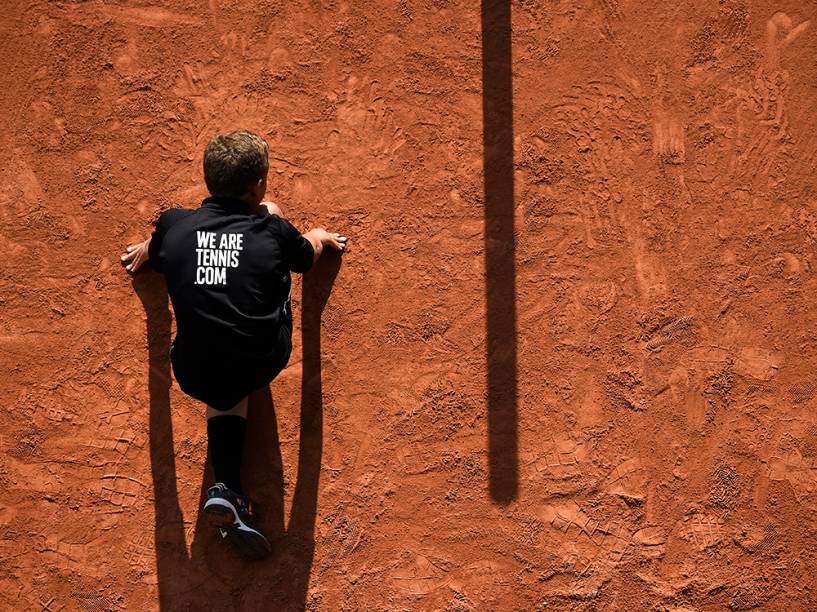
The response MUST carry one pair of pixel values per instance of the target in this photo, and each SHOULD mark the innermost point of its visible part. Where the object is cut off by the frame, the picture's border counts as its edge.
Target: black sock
(225, 437)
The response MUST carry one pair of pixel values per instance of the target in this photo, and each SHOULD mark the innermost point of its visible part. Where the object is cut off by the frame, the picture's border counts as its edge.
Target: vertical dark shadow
(171, 551)
(500, 272)
(262, 468)
(317, 287)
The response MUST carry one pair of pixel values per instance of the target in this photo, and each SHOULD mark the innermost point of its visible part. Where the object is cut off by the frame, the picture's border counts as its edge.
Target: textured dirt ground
(665, 224)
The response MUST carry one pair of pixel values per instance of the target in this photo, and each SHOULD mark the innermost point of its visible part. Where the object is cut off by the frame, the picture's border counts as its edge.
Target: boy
(227, 265)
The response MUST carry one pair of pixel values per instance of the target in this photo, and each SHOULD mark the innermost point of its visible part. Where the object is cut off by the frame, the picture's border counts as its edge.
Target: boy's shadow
(212, 577)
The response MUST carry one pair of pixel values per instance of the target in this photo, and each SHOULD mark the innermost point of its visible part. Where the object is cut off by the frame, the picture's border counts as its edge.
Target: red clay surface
(666, 219)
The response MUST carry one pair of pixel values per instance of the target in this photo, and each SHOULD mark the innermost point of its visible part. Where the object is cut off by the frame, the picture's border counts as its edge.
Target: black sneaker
(231, 514)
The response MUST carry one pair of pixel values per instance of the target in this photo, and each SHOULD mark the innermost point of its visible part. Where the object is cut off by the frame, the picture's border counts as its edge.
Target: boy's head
(236, 165)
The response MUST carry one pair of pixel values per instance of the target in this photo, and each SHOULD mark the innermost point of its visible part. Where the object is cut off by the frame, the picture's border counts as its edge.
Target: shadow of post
(210, 577)
(500, 268)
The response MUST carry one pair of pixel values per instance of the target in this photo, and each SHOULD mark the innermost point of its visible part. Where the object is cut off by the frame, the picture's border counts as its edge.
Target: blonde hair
(233, 162)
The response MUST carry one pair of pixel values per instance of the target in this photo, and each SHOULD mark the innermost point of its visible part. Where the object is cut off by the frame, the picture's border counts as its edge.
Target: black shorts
(222, 380)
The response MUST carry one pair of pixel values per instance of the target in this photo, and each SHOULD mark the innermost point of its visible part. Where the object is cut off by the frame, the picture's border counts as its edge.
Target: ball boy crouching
(227, 265)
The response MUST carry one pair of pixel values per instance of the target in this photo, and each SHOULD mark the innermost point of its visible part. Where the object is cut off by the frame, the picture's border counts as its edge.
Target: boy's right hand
(319, 237)
(336, 241)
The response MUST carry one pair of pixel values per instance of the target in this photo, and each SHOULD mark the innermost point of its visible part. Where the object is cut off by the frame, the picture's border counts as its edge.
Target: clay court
(566, 363)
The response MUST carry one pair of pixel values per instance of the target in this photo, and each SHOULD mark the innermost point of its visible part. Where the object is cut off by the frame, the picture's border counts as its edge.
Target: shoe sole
(220, 512)
(246, 541)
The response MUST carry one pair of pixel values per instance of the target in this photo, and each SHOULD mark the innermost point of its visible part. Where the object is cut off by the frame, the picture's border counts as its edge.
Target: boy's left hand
(137, 255)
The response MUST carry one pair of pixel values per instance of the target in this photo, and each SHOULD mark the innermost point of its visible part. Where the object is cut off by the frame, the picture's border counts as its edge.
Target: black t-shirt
(228, 274)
